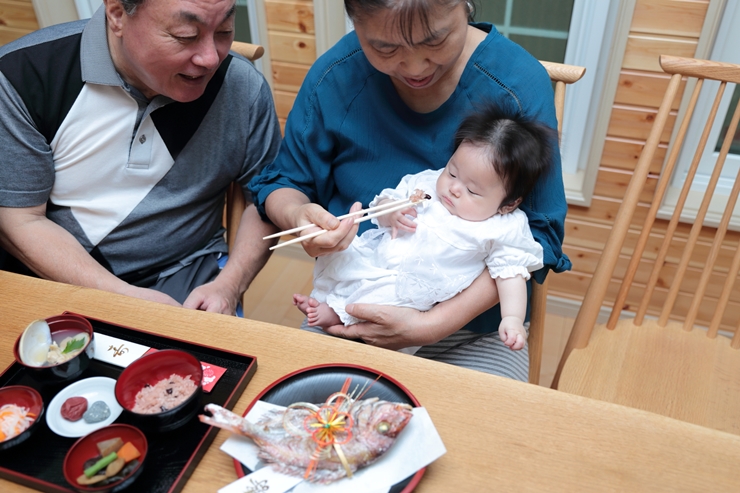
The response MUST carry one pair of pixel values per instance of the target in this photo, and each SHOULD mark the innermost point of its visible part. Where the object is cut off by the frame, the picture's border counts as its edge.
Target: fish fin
(321, 476)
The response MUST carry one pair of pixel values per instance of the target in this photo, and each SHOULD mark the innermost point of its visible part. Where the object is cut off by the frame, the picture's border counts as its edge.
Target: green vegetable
(90, 471)
(73, 345)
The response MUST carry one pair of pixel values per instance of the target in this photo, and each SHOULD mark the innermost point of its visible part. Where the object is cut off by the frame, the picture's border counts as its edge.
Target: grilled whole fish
(282, 441)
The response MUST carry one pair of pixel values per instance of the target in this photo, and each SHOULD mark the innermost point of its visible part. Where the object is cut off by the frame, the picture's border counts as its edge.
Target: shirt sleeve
(305, 157)
(513, 251)
(263, 140)
(27, 170)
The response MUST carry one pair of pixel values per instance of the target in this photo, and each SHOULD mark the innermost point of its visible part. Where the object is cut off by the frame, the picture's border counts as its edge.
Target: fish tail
(226, 420)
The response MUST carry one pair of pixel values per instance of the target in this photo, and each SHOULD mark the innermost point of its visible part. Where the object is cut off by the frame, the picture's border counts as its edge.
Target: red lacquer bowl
(86, 448)
(150, 369)
(70, 369)
(27, 398)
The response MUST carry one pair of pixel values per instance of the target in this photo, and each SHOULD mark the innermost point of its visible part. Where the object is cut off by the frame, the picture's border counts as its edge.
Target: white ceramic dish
(93, 389)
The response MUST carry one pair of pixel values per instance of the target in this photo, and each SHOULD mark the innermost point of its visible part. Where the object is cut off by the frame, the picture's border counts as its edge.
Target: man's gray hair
(130, 5)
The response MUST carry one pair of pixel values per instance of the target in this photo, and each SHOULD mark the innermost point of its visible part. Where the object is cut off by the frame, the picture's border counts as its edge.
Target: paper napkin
(117, 351)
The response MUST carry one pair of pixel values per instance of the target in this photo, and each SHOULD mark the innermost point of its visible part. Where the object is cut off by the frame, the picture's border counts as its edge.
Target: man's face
(170, 47)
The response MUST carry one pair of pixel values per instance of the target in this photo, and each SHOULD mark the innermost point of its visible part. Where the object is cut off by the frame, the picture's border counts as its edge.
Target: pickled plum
(73, 408)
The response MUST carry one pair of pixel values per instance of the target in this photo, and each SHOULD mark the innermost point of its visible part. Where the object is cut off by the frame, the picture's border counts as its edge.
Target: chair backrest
(248, 50)
(671, 262)
(235, 203)
(561, 75)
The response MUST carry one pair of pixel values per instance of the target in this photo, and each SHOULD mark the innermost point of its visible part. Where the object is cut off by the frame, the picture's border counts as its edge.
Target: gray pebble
(96, 413)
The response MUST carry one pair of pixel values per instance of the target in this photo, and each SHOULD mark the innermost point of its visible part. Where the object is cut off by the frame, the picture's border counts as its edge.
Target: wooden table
(500, 435)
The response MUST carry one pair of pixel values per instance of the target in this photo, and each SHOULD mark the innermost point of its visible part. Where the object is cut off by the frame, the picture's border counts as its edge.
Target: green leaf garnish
(73, 345)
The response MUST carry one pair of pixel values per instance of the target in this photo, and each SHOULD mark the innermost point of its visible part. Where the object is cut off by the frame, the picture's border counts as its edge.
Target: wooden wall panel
(295, 48)
(603, 210)
(290, 16)
(292, 49)
(612, 183)
(636, 122)
(638, 88)
(283, 103)
(623, 154)
(572, 284)
(671, 17)
(643, 51)
(585, 260)
(288, 76)
(18, 14)
(582, 233)
(8, 34)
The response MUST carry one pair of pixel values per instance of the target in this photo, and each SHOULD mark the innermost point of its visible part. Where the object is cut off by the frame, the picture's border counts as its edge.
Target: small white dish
(93, 389)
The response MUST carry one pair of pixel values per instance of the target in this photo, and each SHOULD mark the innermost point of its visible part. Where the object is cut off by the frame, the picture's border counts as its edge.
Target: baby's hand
(512, 332)
(398, 220)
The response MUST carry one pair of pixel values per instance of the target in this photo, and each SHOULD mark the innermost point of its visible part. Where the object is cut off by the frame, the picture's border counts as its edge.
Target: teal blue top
(349, 136)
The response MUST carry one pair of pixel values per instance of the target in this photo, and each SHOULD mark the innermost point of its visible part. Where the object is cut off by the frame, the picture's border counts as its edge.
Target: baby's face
(469, 187)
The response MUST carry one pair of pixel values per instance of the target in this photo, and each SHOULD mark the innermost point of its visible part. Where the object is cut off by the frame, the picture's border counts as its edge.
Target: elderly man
(119, 137)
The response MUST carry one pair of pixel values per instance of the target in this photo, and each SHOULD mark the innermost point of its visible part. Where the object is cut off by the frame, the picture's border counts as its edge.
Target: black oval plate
(316, 383)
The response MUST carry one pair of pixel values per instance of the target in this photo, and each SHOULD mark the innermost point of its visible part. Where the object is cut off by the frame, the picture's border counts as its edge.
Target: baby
(424, 255)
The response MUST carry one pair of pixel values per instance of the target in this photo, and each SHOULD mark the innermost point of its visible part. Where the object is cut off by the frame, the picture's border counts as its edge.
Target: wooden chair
(562, 75)
(235, 202)
(672, 362)
(248, 50)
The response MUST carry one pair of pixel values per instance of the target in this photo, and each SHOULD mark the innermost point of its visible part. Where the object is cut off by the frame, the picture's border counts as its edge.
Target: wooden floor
(289, 271)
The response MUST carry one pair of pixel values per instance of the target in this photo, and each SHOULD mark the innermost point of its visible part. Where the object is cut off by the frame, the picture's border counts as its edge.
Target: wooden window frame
(597, 41)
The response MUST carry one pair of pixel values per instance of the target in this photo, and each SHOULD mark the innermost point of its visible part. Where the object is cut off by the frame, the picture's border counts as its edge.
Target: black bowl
(86, 448)
(148, 371)
(27, 398)
(70, 369)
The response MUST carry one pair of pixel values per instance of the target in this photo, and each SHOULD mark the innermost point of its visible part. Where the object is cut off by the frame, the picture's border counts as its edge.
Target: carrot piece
(128, 452)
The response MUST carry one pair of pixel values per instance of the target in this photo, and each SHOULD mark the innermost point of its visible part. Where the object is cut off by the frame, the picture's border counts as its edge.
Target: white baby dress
(443, 257)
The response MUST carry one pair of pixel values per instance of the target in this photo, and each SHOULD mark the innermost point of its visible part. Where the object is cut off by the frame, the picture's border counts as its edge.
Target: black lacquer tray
(172, 456)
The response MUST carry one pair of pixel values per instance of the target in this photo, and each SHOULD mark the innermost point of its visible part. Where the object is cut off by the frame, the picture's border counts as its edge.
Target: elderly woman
(385, 102)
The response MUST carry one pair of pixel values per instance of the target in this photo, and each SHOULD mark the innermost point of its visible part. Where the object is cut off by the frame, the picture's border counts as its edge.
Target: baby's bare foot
(302, 302)
(321, 315)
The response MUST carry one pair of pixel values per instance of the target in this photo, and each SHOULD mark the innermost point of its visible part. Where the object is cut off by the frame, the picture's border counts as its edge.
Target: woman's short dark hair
(520, 149)
(407, 12)
(130, 5)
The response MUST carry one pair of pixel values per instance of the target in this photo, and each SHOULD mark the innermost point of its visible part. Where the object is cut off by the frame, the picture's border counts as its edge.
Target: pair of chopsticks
(371, 212)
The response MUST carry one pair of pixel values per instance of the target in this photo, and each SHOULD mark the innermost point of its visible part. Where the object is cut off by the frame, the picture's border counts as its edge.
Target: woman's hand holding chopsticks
(322, 233)
(353, 217)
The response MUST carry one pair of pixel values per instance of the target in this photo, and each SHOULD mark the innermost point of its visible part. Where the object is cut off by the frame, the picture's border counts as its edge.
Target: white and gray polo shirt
(139, 183)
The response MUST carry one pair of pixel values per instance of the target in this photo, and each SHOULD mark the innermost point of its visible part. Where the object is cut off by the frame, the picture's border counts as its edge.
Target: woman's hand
(389, 327)
(288, 208)
(398, 220)
(395, 327)
(340, 233)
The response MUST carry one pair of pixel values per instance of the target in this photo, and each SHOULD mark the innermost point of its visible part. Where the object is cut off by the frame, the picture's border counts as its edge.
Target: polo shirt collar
(97, 64)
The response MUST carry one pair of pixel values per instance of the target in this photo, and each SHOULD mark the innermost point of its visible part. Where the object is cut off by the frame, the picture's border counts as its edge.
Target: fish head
(378, 423)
